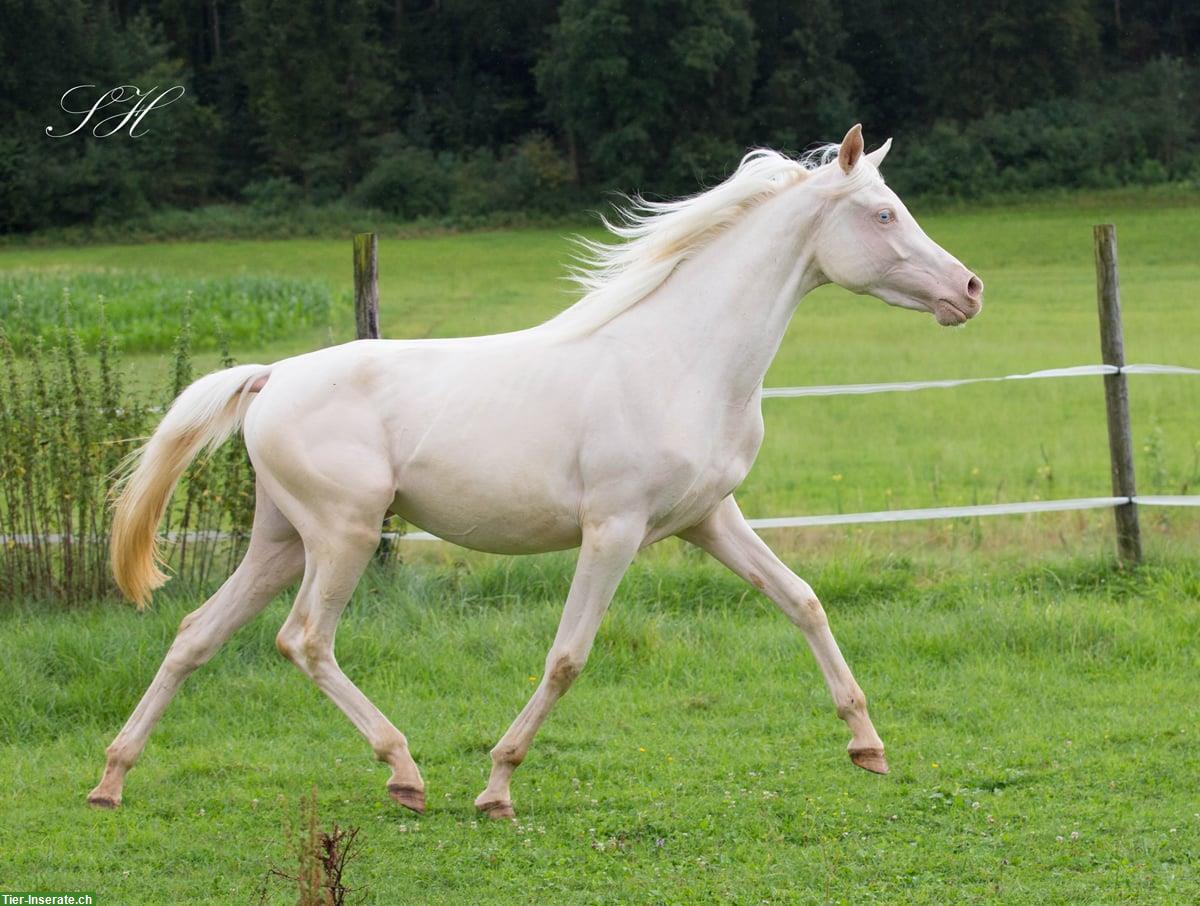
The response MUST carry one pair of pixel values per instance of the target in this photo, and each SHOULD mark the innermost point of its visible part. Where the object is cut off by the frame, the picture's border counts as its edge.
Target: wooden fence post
(366, 317)
(366, 286)
(1116, 392)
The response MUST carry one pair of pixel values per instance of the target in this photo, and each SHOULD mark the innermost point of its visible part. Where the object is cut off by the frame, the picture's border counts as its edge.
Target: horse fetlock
(508, 754)
(118, 759)
(395, 754)
(851, 705)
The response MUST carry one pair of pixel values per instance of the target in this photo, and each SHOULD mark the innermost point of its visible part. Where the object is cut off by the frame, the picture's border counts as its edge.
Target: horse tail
(202, 417)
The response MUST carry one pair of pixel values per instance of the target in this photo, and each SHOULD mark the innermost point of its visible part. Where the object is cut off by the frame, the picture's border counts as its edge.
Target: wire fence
(900, 386)
(880, 516)
(1124, 499)
(950, 512)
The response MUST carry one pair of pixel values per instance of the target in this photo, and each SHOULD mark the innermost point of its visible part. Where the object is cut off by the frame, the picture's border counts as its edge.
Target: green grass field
(1040, 706)
(1041, 718)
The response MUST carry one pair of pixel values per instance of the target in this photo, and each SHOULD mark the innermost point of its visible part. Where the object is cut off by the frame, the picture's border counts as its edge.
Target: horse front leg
(727, 536)
(605, 553)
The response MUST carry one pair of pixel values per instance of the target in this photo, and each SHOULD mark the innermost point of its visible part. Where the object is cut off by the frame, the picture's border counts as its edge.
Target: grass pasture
(1041, 720)
(1040, 706)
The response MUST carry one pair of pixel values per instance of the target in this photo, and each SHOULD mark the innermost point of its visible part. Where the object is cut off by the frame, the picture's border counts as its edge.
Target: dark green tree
(467, 69)
(317, 80)
(462, 108)
(948, 59)
(49, 47)
(649, 93)
(808, 92)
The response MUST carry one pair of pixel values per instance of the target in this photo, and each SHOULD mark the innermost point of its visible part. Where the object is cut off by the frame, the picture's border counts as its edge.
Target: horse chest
(693, 479)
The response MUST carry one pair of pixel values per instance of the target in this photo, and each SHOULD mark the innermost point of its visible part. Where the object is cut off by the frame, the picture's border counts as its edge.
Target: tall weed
(66, 424)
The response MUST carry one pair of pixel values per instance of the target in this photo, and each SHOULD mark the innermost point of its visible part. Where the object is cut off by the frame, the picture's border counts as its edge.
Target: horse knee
(317, 653)
(190, 649)
(562, 667)
(814, 613)
(117, 755)
(806, 610)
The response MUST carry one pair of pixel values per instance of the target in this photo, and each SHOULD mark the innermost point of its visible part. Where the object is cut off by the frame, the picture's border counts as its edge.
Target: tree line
(463, 107)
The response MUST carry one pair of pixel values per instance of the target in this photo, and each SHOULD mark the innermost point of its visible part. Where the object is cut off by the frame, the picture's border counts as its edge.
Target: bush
(533, 175)
(1135, 128)
(47, 183)
(272, 195)
(412, 182)
(408, 182)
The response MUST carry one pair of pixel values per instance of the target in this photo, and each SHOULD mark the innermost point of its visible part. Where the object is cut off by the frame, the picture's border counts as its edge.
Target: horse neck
(721, 315)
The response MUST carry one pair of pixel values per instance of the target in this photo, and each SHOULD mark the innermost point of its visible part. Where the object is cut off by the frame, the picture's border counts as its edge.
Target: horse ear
(876, 157)
(851, 149)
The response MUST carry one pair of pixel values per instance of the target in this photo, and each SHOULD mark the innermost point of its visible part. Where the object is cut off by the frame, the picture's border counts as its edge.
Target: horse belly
(500, 531)
(499, 507)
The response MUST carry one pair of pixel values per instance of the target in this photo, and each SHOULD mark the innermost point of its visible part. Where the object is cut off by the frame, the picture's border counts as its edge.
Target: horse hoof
(498, 810)
(408, 796)
(102, 801)
(870, 760)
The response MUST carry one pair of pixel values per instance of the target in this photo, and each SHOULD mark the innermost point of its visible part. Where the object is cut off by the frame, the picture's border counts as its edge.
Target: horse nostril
(974, 287)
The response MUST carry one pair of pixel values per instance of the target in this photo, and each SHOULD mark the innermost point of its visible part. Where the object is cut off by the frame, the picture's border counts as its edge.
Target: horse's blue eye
(885, 216)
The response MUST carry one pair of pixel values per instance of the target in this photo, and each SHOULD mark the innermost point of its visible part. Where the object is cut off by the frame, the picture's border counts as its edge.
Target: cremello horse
(630, 417)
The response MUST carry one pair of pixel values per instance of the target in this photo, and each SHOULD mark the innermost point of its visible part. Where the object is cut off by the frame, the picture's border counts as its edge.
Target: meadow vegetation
(67, 423)
(145, 309)
(1040, 716)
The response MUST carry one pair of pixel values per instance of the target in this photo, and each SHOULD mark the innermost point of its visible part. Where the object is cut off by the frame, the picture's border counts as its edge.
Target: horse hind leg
(274, 558)
(333, 569)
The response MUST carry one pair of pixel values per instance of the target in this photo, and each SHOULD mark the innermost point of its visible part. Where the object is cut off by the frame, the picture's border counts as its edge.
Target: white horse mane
(658, 236)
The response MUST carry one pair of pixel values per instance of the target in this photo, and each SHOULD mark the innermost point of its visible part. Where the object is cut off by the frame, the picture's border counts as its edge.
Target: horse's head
(868, 242)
